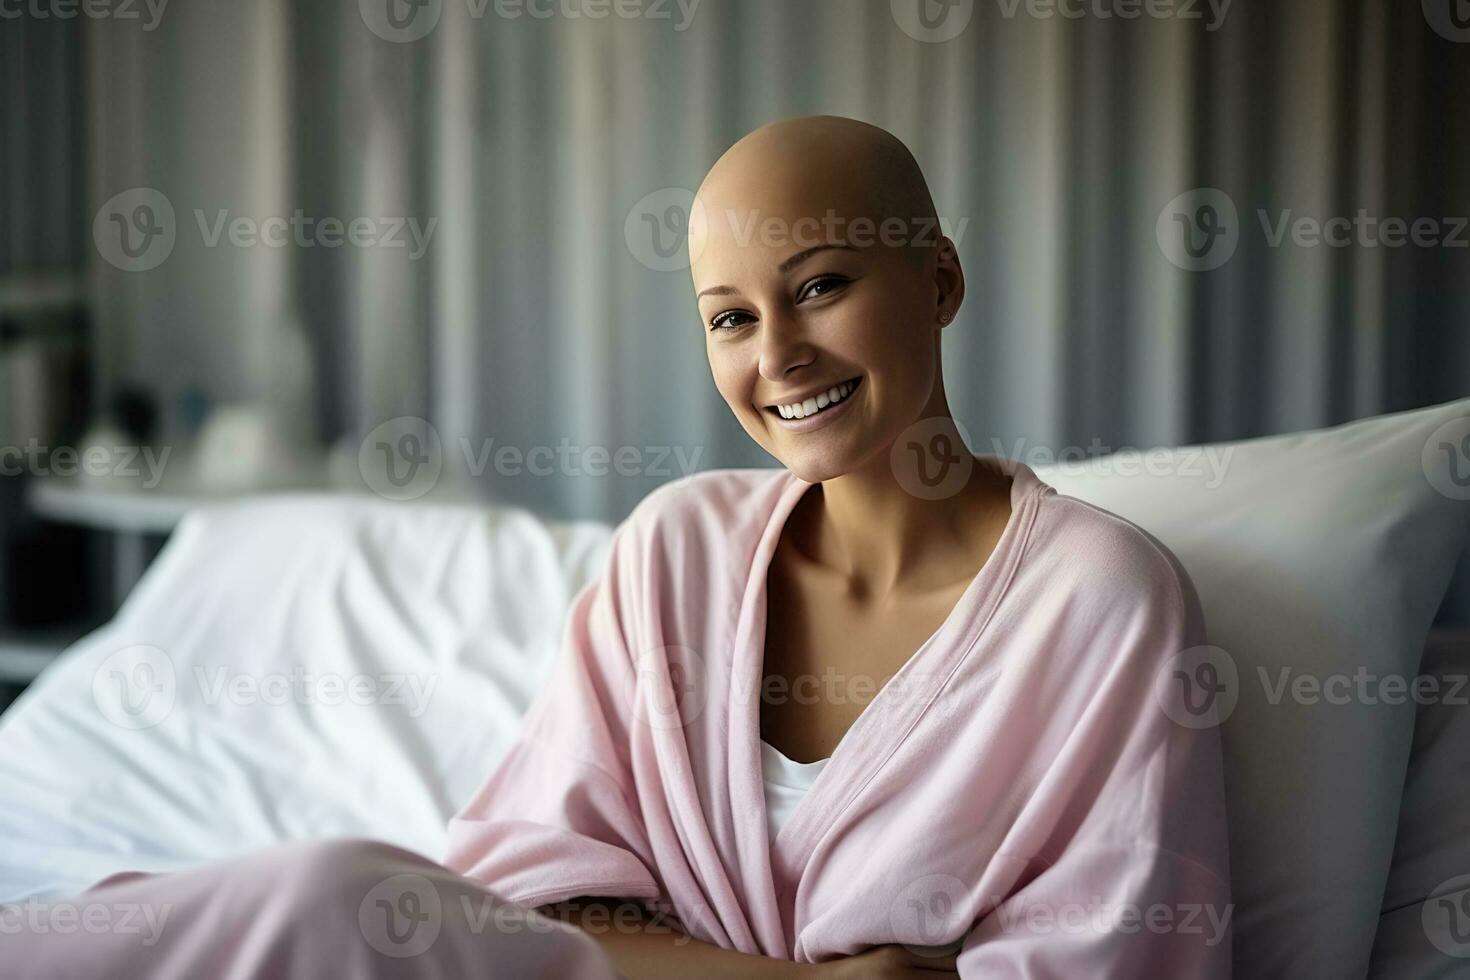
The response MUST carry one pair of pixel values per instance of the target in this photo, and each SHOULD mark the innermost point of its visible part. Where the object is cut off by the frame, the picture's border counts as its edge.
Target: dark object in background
(194, 409)
(45, 384)
(134, 410)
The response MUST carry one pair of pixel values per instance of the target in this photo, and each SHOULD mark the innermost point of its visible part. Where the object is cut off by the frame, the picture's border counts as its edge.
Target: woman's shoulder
(1110, 551)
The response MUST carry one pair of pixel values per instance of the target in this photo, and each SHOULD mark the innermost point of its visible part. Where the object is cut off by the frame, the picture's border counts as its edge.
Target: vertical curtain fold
(1052, 144)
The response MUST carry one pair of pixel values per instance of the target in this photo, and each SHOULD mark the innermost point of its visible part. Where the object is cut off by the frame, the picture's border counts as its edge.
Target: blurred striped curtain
(1051, 143)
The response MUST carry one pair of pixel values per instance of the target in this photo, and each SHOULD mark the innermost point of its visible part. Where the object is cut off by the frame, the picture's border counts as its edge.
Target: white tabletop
(127, 507)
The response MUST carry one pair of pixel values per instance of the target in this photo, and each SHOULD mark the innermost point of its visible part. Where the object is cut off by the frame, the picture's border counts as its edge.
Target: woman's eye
(725, 321)
(821, 286)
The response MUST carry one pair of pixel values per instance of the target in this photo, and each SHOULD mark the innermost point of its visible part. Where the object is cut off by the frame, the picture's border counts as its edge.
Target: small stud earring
(944, 317)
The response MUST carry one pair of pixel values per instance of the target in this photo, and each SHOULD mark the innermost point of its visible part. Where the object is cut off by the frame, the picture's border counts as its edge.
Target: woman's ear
(949, 281)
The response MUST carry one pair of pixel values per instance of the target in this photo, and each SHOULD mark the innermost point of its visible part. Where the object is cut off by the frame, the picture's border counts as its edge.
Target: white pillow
(1424, 930)
(1315, 555)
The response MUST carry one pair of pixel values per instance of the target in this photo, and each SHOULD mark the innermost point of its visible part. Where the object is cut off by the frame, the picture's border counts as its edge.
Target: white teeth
(800, 410)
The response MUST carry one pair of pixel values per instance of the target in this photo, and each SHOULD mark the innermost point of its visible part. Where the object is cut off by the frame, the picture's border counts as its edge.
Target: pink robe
(1017, 787)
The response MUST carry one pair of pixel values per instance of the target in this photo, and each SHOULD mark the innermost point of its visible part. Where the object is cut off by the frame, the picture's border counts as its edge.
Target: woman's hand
(890, 962)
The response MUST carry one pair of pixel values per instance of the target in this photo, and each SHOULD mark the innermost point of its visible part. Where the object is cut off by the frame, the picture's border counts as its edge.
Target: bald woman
(890, 709)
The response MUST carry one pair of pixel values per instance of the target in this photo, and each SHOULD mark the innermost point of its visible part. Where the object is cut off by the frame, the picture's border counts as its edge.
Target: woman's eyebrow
(792, 261)
(717, 291)
(787, 264)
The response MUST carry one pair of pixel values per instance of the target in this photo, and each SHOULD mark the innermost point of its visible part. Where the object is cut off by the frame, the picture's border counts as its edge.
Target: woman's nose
(784, 345)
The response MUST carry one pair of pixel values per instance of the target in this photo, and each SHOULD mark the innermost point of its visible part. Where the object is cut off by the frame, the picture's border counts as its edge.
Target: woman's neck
(870, 528)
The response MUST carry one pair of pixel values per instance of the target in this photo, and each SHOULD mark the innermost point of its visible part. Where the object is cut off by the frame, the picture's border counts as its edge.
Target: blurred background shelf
(34, 294)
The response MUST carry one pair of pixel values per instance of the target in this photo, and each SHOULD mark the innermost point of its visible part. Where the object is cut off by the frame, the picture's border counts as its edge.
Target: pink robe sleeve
(559, 817)
(1119, 866)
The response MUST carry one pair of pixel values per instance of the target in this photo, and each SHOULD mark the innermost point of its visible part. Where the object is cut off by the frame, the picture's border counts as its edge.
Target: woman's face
(784, 325)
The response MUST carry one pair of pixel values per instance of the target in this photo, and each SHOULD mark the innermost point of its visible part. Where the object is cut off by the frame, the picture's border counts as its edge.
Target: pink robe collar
(879, 729)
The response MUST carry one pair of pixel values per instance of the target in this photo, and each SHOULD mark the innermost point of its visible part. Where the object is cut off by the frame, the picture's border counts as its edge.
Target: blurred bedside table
(131, 514)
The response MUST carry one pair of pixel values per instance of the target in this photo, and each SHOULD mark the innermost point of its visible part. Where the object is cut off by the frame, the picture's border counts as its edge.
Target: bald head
(818, 267)
(848, 173)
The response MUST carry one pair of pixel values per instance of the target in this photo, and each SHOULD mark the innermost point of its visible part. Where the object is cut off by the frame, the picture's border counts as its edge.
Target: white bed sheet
(294, 666)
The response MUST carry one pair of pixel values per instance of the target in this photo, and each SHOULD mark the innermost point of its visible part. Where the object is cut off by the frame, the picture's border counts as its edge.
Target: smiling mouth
(824, 401)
